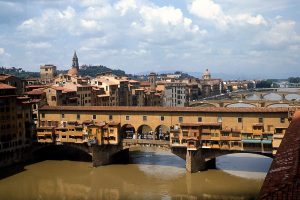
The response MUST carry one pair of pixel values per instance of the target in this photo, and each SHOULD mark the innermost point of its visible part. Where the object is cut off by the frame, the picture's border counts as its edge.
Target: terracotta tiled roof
(168, 109)
(5, 86)
(145, 84)
(35, 86)
(283, 178)
(35, 92)
(3, 77)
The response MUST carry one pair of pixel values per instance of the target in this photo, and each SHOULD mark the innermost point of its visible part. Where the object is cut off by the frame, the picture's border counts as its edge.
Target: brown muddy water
(149, 175)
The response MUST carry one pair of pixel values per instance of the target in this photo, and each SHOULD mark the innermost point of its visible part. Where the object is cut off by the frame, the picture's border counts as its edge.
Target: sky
(258, 38)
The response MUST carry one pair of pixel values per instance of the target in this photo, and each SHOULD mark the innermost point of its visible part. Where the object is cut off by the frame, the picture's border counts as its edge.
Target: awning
(266, 141)
(252, 141)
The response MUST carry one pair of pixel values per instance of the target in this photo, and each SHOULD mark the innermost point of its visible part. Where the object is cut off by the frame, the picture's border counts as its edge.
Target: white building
(175, 94)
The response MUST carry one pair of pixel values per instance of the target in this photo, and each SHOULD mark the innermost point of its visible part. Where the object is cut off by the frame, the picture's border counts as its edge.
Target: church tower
(206, 75)
(152, 80)
(75, 66)
(75, 61)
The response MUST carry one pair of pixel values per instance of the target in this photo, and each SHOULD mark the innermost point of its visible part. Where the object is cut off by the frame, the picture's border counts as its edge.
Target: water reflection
(273, 96)
(149, 175)
(243, 105)
(252, 97)
(295, 97)
(279, 105)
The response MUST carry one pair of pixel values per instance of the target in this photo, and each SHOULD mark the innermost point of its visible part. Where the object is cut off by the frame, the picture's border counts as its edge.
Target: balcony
(205, 137)
(226, 138)
(206, 131)
(215, 136)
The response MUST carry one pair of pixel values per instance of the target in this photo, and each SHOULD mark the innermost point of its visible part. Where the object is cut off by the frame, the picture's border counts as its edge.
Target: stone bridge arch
(145, 131)
(277, 104)
(128, 131)
(204, 104)
(256, 96)
(162, 132)
(68, 151)
(292, 97)
(280, 96)
(213, 154)
(201, 159)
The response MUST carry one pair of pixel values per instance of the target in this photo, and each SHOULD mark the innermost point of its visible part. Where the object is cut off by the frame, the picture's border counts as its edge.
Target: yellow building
(248, 129)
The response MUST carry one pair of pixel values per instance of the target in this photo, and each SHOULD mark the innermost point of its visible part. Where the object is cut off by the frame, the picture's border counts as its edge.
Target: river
(149, 175)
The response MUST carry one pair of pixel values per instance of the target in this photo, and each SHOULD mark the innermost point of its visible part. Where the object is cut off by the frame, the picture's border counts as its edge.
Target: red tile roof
(167, 109)
(3, 77)
(5, 86)
(35, 92)
(145, 84)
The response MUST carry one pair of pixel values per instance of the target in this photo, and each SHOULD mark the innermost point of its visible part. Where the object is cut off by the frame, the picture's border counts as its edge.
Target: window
(127, 117)
(240, 120)
(225, 134)
(78, 116)
(110, 117)
(199, 119)
(144, 118)
(260, 120)
(180, 119)
(62, 115)
(282, 120)
(43, 115)
(94, 117)
(219, 119)
(162, 118)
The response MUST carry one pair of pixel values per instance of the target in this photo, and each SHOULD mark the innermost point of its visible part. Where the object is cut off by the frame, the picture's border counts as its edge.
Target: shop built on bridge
(196, 134)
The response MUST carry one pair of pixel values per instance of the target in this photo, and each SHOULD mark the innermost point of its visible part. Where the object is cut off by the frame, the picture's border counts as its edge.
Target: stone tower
(75, 61)
(152, 80)
(75, 66)
(206, 75)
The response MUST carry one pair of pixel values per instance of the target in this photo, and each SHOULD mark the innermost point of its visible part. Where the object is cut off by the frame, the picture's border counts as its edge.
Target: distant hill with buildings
(90, 70)
(85, 70)
(18, 72)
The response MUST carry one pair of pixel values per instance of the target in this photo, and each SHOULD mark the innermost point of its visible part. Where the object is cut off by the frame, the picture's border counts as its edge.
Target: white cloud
(281, 33)
(165, 23)
(124, 5)
(209, 10)
(253, 20)
(38, 45)
(2, 51)
(50, 23)
(140, 33)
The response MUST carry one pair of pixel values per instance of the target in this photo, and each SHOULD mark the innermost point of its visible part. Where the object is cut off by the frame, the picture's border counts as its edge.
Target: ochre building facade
(245, 129)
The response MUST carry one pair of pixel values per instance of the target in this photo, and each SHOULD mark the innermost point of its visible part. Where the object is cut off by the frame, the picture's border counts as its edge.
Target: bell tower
(75, 61)
(152, 80)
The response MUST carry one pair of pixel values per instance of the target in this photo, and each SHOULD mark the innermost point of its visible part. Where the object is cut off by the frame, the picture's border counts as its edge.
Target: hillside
(83, 71)
(19, 72)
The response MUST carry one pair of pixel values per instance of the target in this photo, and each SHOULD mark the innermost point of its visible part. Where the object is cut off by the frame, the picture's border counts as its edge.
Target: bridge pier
(211, 164)
(104, 155)
(195, 161)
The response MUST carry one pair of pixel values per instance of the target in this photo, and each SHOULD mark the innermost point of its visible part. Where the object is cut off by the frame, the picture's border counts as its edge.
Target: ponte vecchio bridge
(197, 135)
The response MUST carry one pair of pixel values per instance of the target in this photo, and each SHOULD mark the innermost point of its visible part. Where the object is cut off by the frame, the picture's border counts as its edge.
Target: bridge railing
(145, 142)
